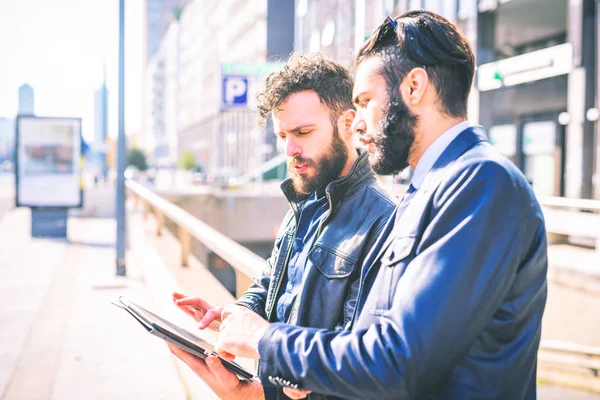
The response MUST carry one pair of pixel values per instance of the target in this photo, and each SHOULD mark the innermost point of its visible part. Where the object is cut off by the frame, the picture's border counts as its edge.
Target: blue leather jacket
(451, 297)
(359, 209)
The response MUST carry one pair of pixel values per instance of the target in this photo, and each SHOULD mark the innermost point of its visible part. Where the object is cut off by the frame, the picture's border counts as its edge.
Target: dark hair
(330, 80)
(425, 39)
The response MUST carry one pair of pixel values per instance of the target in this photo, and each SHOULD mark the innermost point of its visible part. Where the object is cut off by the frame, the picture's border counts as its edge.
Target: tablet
(178, 336)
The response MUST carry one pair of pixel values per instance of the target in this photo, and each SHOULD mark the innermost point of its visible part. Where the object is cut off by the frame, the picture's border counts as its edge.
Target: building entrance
(535, 143)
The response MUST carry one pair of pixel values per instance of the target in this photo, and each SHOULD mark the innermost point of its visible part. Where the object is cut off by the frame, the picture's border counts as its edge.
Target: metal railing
(571, 218)
(244, 262)
(569, 364)
(570, 204)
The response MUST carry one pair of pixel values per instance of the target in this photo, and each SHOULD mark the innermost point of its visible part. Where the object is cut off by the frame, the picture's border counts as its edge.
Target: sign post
(121, 148)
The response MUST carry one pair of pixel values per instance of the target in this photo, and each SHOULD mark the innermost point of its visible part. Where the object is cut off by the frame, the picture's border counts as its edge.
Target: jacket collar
(340, 188)
(465, 140)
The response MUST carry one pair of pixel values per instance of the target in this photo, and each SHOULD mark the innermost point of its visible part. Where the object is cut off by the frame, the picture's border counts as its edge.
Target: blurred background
(203, 198)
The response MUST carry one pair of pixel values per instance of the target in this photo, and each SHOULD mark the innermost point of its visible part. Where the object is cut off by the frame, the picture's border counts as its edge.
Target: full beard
(393, 138)
(327, 168)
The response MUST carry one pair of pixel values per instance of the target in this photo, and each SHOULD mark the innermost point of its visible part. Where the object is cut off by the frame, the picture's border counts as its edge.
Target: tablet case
(178, 336)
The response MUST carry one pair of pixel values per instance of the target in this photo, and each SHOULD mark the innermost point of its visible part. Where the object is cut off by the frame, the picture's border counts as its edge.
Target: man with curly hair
(337, 211)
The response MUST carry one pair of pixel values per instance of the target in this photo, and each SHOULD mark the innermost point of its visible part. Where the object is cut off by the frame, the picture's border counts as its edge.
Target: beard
(393, 138)
(328, 167)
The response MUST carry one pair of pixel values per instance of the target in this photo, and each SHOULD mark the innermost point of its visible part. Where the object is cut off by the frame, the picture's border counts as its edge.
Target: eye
(302, 133)
(281, 136)
(363, 103)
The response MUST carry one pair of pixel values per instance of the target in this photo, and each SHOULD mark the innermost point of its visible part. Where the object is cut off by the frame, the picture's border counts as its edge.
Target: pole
(359, 27)
(121, 270)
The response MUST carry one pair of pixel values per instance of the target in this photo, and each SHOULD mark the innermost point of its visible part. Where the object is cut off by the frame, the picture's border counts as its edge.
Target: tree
(187, 161)
(137, 158)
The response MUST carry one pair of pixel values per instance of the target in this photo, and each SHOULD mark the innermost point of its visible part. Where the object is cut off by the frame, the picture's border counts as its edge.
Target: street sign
(241, 83)
(235, 91)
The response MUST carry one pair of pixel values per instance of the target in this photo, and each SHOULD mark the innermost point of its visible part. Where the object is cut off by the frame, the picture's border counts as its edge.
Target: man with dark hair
(338, 210)
(452, 295)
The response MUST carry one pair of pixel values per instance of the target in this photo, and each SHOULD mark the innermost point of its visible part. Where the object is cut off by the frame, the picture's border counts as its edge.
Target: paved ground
(60, 338)
(7, 194)
(557, 393)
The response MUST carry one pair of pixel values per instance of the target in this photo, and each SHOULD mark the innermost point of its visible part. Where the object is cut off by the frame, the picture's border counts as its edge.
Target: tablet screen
(163, 323)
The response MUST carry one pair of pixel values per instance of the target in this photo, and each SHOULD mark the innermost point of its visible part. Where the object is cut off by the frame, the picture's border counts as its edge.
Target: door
(542, 154)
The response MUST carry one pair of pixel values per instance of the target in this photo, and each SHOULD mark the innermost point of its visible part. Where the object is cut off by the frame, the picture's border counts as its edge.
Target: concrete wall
(248, 218)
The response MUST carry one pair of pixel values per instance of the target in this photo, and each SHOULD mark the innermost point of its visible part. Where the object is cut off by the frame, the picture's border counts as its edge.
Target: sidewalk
(60, 338)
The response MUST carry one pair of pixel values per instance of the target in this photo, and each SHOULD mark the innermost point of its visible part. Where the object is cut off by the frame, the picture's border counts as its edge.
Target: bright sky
(59, 47)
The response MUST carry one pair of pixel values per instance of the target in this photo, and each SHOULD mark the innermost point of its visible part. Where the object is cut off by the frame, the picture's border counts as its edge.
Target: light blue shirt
(434, 152)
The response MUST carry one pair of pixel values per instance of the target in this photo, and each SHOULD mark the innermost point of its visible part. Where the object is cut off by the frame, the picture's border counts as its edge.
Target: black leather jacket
(359, 208)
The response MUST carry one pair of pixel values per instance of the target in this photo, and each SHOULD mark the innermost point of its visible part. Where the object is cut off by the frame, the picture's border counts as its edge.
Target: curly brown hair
(330, 80)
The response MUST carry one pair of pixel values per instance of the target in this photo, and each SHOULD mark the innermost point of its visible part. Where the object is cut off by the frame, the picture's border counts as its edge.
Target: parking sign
(234, 91)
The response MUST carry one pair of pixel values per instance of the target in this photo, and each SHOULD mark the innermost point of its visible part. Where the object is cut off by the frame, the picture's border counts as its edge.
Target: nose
(292, 148)
(359, 125)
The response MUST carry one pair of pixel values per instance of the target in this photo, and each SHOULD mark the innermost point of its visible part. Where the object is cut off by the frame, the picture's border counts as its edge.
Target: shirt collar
(434, 151)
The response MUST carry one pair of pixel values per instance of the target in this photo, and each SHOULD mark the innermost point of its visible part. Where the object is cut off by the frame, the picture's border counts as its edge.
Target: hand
(296, 393)
(224, 383)
(203, 312)
(240, 331)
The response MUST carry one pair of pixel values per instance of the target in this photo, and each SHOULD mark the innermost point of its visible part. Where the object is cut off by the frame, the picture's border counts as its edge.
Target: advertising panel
(48, 163)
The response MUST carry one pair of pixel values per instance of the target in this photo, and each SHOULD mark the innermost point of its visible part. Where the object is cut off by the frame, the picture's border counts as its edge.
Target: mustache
(300, 160)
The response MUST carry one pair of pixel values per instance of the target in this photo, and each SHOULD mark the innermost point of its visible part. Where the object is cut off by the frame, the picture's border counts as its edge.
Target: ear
(414, 86)
(345, 122)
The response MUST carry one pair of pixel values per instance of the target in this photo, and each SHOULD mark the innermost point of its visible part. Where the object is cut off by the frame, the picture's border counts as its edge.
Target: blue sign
(234, 91)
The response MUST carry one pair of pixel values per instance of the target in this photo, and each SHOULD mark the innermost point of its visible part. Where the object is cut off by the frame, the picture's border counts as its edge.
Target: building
(26, 100)
(211, 44)
(536, 84)
(338, 28)
(153, 122)
(98, 154)
(158, 15)
(162, 101)
(7, 135)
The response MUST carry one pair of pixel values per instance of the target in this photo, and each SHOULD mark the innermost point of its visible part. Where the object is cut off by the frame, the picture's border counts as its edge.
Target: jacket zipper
(296, 305)
(326, 219)
(285, 264)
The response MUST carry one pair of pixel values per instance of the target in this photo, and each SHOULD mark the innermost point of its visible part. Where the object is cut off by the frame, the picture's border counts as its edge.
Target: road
(7, 193)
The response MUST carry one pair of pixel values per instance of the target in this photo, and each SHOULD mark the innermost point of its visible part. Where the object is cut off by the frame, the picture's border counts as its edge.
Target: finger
(223, 375)
(226, 355)
(189, 311)
(209, 317)
(295, 393)
(171, 347)
(195, 363)
(192, 301)
(225, 350)
(177, 296)
(228, 310)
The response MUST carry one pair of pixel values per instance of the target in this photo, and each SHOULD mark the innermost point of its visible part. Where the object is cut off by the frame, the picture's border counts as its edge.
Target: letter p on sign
(235, 91)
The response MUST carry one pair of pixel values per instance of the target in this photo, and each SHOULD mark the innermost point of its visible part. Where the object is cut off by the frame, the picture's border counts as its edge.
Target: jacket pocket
(330, 264)
(392, 269)
(399, 249)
